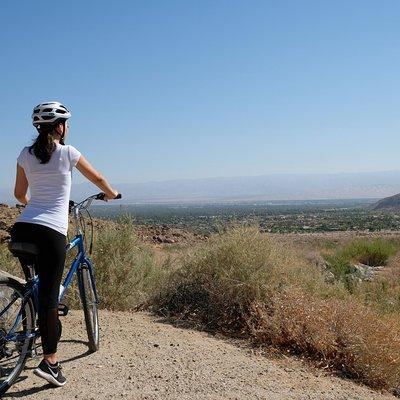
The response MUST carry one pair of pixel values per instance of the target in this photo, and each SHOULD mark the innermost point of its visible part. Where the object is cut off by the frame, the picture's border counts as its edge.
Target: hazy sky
(186, 89)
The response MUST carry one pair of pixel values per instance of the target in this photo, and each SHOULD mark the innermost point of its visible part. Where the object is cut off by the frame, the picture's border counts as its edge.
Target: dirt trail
(143, 358)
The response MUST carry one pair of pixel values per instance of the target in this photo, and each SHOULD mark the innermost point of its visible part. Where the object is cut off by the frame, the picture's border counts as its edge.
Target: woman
(46, 167)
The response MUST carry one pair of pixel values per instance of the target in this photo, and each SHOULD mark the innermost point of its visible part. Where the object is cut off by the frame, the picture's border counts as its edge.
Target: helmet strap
(62, 135)
(62, 138)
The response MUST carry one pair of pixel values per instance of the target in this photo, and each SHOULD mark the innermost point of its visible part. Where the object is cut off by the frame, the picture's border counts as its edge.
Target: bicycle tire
(10, 285)
(90, 308)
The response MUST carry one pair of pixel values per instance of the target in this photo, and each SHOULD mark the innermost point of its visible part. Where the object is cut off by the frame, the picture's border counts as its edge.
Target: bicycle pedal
(33, 353)
(62, 310)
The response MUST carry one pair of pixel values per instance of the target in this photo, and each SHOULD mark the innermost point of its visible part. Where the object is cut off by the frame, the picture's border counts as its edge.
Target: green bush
(340, 266)
(373, 252)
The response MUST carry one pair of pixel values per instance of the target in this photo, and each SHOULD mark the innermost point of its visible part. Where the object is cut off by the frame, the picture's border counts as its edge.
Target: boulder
(364, 272)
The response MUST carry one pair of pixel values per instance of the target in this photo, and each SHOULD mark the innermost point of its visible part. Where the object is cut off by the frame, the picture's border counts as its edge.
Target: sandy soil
(141, 357)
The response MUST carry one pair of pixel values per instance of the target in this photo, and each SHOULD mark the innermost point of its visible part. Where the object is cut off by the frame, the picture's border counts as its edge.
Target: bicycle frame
(81, 261)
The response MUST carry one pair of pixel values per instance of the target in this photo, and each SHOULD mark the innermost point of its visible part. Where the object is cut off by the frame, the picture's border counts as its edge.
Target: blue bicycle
(19, 302)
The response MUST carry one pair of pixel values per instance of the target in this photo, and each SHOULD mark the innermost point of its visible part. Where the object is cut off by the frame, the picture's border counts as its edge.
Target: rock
(354, 278)
(364, 272)
(329, 277)
(163, 239)
(159, 238)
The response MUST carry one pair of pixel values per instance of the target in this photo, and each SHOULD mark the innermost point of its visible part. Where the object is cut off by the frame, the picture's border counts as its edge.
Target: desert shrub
(220, 282)
(247, 284)
(373, 252)
(342, 333)
(125, 269)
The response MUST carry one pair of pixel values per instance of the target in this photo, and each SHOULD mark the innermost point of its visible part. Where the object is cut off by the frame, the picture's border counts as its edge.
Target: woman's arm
(95, 177)
(21, 186)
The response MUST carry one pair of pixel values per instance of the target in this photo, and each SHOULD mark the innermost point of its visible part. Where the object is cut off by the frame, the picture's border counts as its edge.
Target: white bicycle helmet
(47, 113)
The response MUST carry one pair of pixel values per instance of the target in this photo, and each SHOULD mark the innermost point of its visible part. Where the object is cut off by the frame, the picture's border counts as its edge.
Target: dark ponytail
(44, 146)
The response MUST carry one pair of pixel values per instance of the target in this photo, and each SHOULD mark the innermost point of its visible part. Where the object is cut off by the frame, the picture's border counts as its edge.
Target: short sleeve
(21, 159)
(74, 155)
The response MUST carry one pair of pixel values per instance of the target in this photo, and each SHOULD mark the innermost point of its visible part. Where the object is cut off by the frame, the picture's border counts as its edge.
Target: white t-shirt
(50, 187)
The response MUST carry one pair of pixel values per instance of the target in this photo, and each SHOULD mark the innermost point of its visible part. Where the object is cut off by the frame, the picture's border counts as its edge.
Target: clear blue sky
(185, 89)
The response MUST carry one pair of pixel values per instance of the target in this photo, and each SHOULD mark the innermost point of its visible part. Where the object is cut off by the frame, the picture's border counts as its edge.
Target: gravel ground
(143, 358)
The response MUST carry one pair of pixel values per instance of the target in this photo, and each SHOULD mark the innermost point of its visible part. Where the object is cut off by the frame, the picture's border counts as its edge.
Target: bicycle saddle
(23, 249)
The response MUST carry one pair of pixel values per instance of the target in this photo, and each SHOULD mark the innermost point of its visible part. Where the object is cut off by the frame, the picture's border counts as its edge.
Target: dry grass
(125, 268)
(219, 282)
(342, 334)
(383, 293)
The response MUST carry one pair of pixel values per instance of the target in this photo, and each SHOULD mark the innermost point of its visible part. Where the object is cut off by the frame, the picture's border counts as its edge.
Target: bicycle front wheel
(17, 323)
(90, 307)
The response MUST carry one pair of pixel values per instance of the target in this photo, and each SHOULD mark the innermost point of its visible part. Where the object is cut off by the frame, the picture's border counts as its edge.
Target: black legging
(49, 267)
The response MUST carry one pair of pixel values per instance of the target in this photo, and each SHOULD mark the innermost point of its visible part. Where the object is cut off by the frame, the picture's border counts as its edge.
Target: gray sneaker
(52, 373)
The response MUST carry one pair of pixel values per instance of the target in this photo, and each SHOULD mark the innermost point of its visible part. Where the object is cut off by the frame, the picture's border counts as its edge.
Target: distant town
(275, 217)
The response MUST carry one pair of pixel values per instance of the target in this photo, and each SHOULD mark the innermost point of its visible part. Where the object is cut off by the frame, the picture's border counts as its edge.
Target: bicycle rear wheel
(90, 307)
(15, 344)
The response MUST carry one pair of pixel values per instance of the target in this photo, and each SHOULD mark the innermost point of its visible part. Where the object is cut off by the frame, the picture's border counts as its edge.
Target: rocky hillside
(155, 234)
(7, 217)
(388, 203)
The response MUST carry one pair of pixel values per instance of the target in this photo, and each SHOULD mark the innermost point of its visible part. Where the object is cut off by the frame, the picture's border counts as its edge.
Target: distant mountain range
(252, 188)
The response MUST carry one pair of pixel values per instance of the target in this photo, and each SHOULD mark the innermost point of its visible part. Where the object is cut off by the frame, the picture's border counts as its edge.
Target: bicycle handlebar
(76, 208)
(101, 196)
(88, 200)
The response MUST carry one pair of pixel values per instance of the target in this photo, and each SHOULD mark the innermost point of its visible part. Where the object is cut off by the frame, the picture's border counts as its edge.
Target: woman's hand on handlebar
(111, 196)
